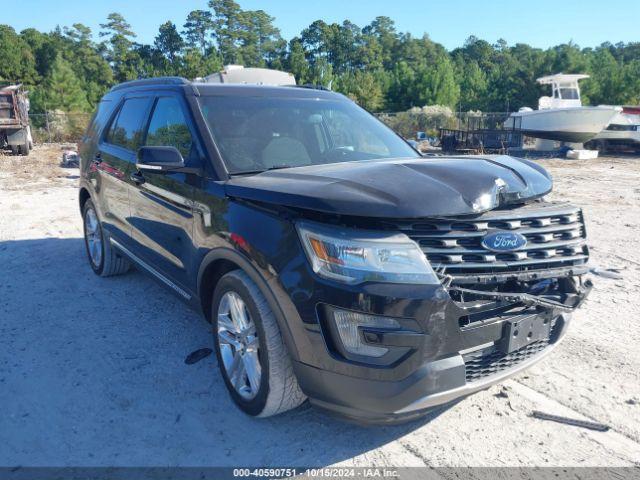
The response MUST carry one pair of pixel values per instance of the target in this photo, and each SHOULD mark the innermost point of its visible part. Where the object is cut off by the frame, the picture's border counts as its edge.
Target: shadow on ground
(92, 373)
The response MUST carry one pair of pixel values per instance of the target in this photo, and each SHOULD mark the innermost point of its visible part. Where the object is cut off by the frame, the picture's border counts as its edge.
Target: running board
(150, 269)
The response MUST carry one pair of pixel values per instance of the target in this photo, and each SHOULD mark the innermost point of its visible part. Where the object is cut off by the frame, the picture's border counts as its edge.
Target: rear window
(128, 128)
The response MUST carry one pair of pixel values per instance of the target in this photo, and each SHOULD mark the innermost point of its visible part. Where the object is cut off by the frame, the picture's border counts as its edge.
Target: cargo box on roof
(254, 76)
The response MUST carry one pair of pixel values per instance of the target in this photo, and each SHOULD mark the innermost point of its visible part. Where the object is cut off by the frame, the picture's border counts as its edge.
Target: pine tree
(63, 90)
(120, 43)
(297, 63)
(197, 29)
(169, 41)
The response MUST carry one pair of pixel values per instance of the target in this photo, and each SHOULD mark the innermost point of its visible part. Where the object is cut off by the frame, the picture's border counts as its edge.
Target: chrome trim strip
(150, 269)
(145, 166)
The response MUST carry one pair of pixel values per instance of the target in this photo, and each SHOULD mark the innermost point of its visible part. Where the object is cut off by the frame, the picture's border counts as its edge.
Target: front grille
(555, 236)
(481, 364)
(490, 361)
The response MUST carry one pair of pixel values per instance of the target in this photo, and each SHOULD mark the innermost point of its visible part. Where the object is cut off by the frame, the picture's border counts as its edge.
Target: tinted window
(257, 133)
(168, 126)
(126, 131)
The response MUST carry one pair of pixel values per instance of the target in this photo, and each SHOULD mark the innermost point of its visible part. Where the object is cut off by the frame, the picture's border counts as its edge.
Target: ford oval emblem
(503, 241)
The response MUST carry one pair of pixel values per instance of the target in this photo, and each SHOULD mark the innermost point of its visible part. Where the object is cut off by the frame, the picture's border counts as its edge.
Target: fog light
(348, 324)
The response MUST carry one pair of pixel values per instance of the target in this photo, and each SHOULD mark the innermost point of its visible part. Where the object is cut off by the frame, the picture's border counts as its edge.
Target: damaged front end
(512, 298)
(509, 279)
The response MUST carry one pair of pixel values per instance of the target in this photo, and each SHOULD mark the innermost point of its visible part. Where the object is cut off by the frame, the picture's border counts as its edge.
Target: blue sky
(541, 23)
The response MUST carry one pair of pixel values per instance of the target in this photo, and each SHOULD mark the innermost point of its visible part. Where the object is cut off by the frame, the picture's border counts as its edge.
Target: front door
(114, 163)
(161, 203)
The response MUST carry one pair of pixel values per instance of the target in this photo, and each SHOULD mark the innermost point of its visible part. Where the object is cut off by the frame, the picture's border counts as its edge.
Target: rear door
(115, 160)
(162, 203)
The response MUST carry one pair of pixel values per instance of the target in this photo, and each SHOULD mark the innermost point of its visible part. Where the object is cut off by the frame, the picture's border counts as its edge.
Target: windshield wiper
(254, 172)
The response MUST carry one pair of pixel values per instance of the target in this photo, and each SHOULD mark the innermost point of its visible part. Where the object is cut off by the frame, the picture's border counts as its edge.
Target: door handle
(137, 178)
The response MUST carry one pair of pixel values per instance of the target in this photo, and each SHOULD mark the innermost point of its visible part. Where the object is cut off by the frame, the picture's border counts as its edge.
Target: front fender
(291, 326)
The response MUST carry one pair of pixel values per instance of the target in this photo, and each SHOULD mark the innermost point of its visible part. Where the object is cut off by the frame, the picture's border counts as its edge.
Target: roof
(249, 90)
(151, 82)
(228, 89)
(561, 77)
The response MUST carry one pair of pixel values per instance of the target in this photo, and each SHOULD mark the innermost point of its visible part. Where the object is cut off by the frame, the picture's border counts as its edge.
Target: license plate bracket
(519, 332)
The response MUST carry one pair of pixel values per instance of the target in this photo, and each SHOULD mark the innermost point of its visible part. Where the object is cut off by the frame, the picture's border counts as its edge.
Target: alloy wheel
(238, 344)
(93, 235)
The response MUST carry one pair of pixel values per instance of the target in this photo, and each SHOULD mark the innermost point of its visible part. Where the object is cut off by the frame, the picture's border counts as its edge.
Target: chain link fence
(58, 127)
(408, 123)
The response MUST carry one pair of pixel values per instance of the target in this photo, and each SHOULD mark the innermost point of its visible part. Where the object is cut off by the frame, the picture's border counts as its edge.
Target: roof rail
(311, 86)
(151, 81)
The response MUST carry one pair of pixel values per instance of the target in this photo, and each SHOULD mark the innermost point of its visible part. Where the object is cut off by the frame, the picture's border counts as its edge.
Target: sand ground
(92, 370)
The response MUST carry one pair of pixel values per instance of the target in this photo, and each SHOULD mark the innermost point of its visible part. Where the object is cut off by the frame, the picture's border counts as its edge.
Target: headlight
(356, 256)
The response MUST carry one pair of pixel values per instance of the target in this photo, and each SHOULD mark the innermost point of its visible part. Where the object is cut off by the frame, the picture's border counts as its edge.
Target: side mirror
(159, 159)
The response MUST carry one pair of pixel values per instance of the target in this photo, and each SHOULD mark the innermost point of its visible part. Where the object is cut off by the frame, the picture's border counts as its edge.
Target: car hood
(399, 188)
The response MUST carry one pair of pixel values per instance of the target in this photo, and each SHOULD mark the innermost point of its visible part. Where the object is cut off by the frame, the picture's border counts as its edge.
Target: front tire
(105, 261)
(252, 356)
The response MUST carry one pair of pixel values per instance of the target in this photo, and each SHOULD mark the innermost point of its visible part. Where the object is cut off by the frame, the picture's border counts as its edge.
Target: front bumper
(434, 384)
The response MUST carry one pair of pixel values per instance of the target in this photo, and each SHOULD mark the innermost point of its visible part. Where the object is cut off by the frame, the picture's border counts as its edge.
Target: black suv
(333, 261)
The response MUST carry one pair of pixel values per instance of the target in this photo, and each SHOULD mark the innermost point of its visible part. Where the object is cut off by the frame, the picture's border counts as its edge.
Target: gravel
(93, 372)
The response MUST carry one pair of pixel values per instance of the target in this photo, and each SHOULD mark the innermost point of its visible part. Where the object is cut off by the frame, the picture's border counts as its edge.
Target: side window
(168, 126)
(127, 129)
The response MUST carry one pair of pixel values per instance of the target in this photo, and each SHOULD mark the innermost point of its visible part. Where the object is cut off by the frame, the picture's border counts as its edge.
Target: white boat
(562, 117)
(624, 130)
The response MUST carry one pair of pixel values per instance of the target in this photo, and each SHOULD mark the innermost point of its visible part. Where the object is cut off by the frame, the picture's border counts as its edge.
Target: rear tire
(104, 259)
(276, 390)
(25, 148)
(15, 150)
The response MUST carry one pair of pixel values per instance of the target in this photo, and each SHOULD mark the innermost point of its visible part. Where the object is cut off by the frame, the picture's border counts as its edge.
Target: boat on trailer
(562, 117)
(622, 132)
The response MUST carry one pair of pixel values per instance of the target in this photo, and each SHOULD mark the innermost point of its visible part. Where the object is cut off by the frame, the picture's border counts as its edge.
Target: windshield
(260, 133)
(569, 93)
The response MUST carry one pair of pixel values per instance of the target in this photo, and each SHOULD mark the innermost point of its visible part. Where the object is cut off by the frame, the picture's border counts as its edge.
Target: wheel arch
(220, 261)
(83, 196)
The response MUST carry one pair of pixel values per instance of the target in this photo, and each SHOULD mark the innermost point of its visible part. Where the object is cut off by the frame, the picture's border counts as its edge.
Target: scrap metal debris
(195, 357)
(600, 427)
(612, 273)
(70, 159)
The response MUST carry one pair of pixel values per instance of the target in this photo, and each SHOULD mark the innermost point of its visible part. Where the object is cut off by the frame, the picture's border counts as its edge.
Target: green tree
(43, 49)
(363, 87)
(91, 68)
(62, 90)
(606, 84)
(194, 64)
(168, 41)
(383, 30)
(260, 41)
(17, 63)
(321, 73)
(297, 62)
(119, 49)
(197, 29)
(227, 28)
(436, 85)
